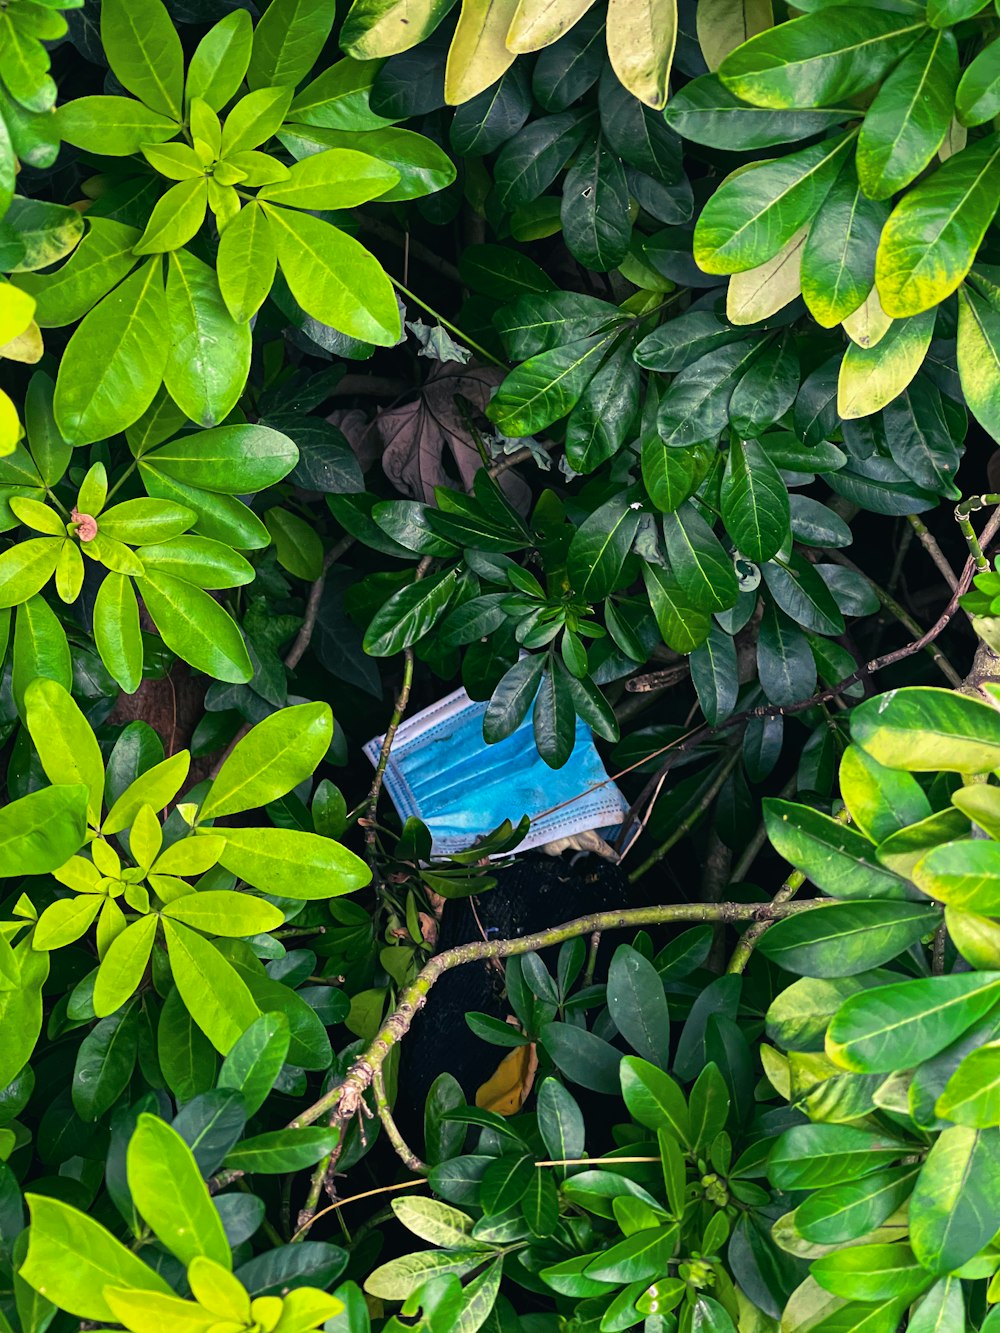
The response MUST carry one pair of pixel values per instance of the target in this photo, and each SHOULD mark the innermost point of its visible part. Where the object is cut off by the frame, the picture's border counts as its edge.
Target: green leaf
(170, 1194)
(582, 1056)
(283, 1150)
(42, 830)
(899, 1026)
(924, 729)
(839, 860)
(654, 1099)
(715, 675)
(811, 1156)
(851, 1210)
(978, 355)
(272, 759)
(554, 716)
(754, 501)
(595, 208)
(287, 41)
(977, 97)
(599, 547)
(699, 563)
(104, 1064)
(435, 1222)
(682, 626)
(638, 1006)
(421, 166)
(638, 1258)
(512, 698)
(336, 178)
(40, 648)
(66, 745)
(942, 1308)
(409, 614)
(209, 357)
(757, 211)
(212, 991)
(767, 389)
(334, 278)
(943, 13)
(545, 387)
(116, 126)
(838, 262)
(255, 1060)
(906, 124)
(290, 864)
(194, 626)
(952, 1211)
(706, 112)
(72, 1258)
(930, 241)
(220, 60)
(847, 938)
(144, 51)
(113, 364)
(820, 58)
(232, 460)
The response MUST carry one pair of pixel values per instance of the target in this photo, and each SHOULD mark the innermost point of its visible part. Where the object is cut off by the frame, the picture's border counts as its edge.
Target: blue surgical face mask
(442, 771)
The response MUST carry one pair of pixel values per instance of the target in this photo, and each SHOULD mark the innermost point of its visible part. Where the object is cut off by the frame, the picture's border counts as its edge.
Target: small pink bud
(86, 525)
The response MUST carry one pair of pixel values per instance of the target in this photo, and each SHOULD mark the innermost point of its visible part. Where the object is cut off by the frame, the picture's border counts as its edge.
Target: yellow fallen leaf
(506, 1091)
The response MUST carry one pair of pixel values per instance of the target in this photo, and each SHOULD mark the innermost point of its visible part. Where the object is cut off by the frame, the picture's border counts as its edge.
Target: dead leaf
(420, 433)
(359, 432)
(506, 1091)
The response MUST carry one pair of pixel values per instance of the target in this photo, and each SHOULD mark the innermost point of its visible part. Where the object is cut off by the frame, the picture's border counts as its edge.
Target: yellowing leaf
(723, 25)
(641, 39)
(761, 292)
(869, 323)
(506, 1091)
(27, 347)
(478, 54)
(17, 309)
(871, 377)
(11, 429)
(539, 23)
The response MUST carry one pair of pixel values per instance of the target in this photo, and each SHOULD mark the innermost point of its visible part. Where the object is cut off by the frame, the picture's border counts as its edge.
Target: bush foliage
(559, 351)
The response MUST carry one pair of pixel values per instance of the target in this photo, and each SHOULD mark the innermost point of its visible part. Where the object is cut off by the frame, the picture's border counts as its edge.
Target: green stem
(962, 511)
(452, 328)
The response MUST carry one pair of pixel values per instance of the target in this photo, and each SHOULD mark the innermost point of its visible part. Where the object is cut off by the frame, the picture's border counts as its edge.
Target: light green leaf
(375, 28)
(283, 1150)
(209, 357)
(71, 1259)
(212, 991)
(168, 1191)
(881, 801)
(27, 567)
(847, 938)
(115, 126)
(978, 355)
(953, 1208)
(65, 742)
(40, 648)
(247, 261)
(336, 178)
(272, 759)
(194, 626)
(334, 278)
(924, 729)
(144, 51)
(124, 965)
(290, 864)
(117, 634)
(222, 912)
(220, 60)
(113, 364)
(176, 218)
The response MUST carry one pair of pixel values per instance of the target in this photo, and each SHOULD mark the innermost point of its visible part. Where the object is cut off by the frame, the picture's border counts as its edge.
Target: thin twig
(355, 1198)
(402, 699)
(929, 543)
(687, 824)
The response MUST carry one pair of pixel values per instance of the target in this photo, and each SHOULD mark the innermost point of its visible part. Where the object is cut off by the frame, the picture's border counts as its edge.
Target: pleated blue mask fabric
(442, 771)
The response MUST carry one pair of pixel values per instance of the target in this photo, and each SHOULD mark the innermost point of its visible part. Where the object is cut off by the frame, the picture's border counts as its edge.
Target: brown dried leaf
(508, 1088)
